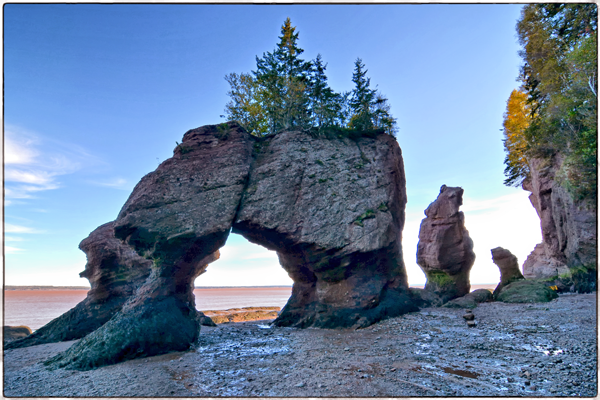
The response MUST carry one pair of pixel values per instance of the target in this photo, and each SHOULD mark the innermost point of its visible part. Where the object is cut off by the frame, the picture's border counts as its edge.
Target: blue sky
(97, 95)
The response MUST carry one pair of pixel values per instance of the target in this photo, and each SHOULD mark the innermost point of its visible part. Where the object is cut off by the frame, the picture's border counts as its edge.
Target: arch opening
(246, 283)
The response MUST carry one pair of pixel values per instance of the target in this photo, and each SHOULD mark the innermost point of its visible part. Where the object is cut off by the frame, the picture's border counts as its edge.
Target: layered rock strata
(568, 225)
(445, 250)
(509, 268)
(332, 209)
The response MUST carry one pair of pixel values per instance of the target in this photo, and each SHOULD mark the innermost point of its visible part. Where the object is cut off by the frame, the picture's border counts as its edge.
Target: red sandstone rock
(333, 209)
(568, 224)
(509, 268)
(445, 250)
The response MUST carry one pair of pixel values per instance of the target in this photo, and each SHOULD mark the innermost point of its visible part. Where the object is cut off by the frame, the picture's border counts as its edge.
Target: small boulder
(15, 332)
(205, 320)
(526, 291)
(425, 298)
(471, 324)
(509, 268)
(469, 316)
(471, 300)
(481, 295)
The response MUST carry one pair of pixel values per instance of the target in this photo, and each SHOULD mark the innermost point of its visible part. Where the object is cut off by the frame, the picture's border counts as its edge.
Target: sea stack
(509, 268)
(445, 250)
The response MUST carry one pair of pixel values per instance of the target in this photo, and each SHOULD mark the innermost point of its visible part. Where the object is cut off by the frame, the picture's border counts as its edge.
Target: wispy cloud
(12, 250)
(10, 228)
(19, 151)
(34, 164)
(116, 183)
(13, 239)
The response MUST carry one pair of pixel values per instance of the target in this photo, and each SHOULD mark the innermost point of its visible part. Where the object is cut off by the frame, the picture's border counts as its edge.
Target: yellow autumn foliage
(516, 122)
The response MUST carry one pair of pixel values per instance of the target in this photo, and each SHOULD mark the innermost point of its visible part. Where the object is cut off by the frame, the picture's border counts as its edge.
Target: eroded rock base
(157, 328)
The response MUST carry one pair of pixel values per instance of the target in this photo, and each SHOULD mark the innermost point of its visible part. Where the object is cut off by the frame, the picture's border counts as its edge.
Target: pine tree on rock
(326, 105)
(285, 92)
(382, 118)
(362, 98)
(284, 78)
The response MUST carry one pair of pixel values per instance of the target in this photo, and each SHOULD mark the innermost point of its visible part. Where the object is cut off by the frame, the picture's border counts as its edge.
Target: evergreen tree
(284, 78)
(362, 98)
(271, 90)
(382, 118)
(286, 92)
(326, 105)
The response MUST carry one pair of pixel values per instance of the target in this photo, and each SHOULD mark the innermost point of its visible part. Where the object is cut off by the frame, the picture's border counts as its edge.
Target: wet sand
(542, 349)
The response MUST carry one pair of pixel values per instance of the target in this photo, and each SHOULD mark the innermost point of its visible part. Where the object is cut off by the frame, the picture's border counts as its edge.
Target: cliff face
(568, 225)
(332, 209)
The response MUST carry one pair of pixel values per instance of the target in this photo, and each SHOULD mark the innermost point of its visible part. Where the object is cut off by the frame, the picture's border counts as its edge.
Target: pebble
(301, 384)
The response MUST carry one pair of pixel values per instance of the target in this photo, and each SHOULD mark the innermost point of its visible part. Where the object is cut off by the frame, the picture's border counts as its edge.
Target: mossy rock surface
(584, 279)
(149, 330)
(471, 300)
(580, 279)
(526, 291)
(425, 298)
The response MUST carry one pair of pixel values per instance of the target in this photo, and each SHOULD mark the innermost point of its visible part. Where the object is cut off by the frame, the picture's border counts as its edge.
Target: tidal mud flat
(541, 349)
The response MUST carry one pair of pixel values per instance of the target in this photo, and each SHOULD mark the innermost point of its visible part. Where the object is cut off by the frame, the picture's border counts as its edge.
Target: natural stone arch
(332, 209)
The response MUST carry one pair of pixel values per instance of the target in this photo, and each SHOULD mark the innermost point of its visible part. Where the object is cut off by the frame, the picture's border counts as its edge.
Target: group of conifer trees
(555, 109)
(286, 92)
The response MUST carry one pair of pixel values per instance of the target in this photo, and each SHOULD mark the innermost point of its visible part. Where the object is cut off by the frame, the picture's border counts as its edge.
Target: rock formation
(540, 265)
(568, 225)
(15, 332)
(471, 300)
(526, 291)
(445, 250)
(509, 268)
(114, 271)
(332, 209)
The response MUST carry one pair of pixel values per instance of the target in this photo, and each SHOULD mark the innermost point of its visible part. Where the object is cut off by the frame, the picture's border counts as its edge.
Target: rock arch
(332, 209)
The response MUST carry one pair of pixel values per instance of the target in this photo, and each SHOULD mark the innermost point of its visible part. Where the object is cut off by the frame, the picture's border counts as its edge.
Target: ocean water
(35, 308)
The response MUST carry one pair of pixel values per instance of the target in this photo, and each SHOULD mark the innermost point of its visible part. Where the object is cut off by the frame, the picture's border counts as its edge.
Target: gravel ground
(547, 349)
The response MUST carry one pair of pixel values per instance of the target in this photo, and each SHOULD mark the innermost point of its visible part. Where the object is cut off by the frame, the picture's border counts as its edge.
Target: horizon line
(12, 287)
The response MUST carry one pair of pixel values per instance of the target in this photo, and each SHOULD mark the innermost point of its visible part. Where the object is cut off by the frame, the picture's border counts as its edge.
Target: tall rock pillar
(445, 250)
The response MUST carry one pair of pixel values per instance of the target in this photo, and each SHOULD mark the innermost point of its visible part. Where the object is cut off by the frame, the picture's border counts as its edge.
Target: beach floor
(542, 349)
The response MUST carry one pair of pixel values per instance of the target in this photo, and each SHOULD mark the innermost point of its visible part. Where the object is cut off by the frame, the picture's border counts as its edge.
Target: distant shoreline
(36, 287)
